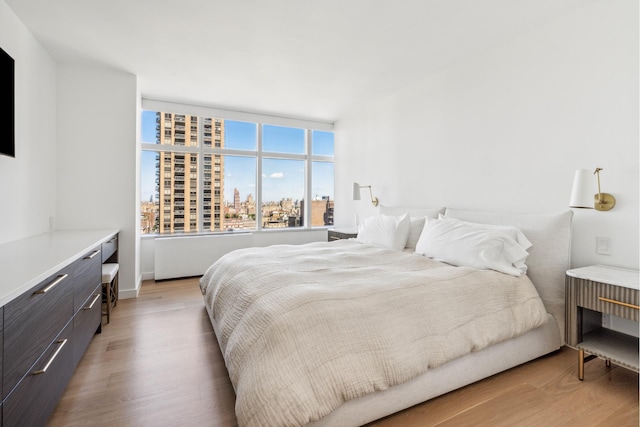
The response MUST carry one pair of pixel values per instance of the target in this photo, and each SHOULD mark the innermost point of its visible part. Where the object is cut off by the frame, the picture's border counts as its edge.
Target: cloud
(276, 175)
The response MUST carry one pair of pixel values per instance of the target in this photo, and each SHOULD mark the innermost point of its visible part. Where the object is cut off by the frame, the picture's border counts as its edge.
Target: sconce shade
(356, 191)
(582, 193)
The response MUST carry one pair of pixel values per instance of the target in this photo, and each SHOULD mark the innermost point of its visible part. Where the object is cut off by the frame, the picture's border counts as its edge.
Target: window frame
(259, 120)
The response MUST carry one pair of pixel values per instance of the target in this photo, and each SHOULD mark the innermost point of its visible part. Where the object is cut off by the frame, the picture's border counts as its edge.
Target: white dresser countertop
(617, 276)
(26, 262)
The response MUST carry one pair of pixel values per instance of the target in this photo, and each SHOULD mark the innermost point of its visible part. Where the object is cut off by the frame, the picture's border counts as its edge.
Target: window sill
(236, 232)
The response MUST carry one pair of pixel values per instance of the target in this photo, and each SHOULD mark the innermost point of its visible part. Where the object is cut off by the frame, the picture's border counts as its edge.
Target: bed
(346, 332)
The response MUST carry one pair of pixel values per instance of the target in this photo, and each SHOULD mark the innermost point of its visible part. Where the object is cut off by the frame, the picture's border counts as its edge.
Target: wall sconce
(582, 193)
(356, 193)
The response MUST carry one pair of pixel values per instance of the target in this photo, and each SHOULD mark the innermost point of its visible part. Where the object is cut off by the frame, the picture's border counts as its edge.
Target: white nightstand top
(617, 276)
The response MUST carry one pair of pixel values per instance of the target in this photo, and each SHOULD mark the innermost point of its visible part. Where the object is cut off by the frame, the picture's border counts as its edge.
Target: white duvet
(305, 328)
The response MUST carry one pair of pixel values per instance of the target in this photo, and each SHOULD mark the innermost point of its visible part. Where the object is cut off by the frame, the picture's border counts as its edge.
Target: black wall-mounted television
(7, 104)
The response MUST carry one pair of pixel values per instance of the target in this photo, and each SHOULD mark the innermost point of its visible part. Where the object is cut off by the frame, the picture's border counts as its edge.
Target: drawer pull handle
(624, 304)
(92, 302)
(93, 254)
(52, 285)
(43, 370)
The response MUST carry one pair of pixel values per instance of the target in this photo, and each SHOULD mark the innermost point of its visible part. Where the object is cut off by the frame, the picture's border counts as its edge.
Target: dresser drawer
(87, 272)
(109, 248)
(31, 323)
(36, 396)
(608, 299)
(86, 322)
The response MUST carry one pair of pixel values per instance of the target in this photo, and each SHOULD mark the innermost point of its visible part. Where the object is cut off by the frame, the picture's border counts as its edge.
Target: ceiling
(297, 58)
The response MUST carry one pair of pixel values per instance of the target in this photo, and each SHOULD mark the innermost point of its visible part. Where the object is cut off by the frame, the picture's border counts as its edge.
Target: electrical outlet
(603, 245)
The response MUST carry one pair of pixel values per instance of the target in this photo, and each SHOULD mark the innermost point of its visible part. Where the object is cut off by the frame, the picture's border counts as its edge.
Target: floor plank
(158, 364)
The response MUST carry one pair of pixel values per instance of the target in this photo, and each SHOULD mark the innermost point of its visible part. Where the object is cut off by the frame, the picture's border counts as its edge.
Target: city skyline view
(201, 174)
(282, 178)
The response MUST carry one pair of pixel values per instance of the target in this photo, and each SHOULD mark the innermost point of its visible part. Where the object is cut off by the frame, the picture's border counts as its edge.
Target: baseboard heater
(189, 256)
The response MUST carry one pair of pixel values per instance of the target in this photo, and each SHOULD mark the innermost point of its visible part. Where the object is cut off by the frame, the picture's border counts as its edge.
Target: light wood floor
(158, 364)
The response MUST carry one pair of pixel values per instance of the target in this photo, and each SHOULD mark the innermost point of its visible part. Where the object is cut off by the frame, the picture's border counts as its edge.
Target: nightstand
(342, 233)
(593, 291)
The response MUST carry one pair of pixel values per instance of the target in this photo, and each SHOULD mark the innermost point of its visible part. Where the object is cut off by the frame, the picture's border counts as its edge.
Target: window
(283, 139)
(321, 193)
(240, 192)
(282, 193)
(207, 174)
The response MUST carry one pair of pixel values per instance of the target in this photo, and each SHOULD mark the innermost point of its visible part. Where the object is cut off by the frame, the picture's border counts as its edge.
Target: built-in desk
(50, 306)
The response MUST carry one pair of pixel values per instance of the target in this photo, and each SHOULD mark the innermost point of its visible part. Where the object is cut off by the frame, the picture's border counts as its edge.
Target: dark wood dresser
(51, 306)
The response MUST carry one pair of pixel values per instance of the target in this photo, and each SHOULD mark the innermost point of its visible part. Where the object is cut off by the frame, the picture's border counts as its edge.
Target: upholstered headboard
(549, 257)
(412, 211)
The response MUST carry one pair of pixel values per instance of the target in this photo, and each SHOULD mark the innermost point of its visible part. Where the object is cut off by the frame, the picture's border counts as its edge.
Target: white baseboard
(149, 275)
(130, 293)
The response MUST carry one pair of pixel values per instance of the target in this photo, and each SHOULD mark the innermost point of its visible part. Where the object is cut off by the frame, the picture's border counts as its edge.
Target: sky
(281, 178)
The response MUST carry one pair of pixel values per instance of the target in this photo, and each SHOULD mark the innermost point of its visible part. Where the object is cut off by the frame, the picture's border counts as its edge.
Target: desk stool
(110, 287)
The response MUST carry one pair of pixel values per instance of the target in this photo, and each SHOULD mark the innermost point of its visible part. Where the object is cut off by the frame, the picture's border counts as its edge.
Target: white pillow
(415, 229)
(514, 232)
(385, 231)
(464, 244)
(416, 215)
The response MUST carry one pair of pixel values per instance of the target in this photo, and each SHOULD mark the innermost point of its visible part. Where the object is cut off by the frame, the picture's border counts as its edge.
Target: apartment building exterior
(178, 171)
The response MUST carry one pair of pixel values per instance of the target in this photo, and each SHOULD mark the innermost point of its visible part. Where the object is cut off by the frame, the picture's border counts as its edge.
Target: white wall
(97, 163)
(27, 182)
(76, 149)
(506, 130)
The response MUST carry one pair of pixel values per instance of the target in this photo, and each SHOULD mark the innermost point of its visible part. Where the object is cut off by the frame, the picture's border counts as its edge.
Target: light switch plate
(603, 245)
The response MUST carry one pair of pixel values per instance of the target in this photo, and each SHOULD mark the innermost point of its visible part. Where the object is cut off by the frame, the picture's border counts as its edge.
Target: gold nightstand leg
(581, 364)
